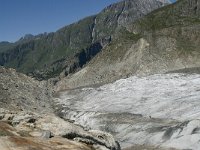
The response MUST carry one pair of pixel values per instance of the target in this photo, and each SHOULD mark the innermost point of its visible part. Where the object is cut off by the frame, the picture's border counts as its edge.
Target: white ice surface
(166, 96)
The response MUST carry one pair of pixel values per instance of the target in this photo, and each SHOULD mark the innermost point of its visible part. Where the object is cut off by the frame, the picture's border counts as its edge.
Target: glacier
(162, 110)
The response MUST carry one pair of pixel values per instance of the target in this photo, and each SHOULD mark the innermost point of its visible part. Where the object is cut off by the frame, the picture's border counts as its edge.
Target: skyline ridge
(40, 17)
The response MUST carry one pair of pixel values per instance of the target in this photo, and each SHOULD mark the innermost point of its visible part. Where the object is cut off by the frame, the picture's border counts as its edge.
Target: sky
(20, 17)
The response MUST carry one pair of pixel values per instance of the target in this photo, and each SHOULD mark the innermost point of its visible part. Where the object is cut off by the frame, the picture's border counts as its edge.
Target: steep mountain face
(122, 14)
(165, 40)
(47, 55)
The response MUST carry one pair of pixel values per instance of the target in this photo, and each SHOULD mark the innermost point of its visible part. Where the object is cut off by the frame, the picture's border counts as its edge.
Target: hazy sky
(20, 17)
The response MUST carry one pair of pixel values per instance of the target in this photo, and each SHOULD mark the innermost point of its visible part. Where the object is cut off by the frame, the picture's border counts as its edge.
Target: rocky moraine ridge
(27, 120)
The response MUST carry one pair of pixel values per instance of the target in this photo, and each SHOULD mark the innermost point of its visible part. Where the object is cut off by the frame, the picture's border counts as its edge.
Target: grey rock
(94, 137)
(47, 134)
(23, 97)
(2, 116)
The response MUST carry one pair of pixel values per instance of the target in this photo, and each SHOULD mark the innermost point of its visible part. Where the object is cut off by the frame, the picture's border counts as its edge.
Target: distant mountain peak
(4, 42)
(26, 37)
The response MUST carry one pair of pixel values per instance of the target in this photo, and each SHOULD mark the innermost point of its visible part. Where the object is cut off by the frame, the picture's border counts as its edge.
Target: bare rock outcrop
(52, 131)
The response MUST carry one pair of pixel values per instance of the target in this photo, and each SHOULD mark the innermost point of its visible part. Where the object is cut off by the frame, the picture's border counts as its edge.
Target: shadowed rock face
(159, 111)
(95, 137)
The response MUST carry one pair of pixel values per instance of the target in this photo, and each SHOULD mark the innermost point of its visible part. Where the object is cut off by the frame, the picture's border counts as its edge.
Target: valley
(127, 78)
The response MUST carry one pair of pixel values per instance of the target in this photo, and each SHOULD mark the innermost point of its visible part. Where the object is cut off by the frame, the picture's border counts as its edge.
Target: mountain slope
(47, 55)
(165, 40)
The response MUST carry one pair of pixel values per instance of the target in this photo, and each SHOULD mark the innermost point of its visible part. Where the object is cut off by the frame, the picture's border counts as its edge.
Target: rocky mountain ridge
(47, 55)
(163, 41)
